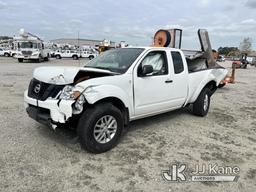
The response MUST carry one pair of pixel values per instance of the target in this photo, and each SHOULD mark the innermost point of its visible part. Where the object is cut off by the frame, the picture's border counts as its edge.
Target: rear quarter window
(177, 62)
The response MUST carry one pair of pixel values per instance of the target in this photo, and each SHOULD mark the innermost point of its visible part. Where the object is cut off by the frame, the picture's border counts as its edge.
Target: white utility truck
(67, 54)
(122, 85)
(30, 47)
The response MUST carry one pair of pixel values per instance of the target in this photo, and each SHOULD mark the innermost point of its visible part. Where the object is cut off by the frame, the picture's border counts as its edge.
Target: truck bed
(197, 61)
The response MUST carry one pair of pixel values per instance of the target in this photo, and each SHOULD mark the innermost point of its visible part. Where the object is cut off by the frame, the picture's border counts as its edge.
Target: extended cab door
(66, 53)
(161, 90)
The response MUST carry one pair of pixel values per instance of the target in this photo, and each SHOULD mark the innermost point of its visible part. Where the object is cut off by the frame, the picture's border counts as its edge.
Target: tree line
(244, 47)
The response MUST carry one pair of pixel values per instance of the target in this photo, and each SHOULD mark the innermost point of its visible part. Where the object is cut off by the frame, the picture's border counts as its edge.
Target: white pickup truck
(67, 54)
(119, 86)
(4, 52)
(89, 54)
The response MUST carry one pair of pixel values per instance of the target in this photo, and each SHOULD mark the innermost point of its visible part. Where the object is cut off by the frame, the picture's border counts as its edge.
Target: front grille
(41, 91)
(26, 53)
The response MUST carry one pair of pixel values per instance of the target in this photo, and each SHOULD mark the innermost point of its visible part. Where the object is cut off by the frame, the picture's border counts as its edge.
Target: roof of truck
(152, 47)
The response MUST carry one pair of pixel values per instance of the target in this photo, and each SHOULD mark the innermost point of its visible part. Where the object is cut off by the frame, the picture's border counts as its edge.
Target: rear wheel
(47, 57)
(221, 85)
(202, 104)
(91, 57)
(100, 128)
(75, 57)
(58, 57)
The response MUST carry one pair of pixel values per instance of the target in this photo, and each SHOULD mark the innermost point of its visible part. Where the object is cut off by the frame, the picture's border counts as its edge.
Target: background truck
(89, 54)
(30, 47)
(119, 86)
(67, 54)
(4, 52)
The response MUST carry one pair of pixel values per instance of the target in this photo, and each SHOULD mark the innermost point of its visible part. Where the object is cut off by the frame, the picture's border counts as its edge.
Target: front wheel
(20, 60)
(6, 54)
(202, 104)
(100, 128)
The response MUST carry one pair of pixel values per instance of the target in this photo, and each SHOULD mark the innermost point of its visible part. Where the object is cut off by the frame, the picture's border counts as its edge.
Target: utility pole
(78, 43)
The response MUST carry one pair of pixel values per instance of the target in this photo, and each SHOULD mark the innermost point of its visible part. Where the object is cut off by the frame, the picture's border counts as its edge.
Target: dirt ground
(35, 158)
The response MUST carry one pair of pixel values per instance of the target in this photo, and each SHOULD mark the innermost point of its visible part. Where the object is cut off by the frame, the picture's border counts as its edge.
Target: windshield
(29, 45)
(116, 60)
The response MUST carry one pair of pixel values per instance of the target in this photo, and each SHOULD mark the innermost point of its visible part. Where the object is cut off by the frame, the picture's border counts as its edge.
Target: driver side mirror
(147, 69)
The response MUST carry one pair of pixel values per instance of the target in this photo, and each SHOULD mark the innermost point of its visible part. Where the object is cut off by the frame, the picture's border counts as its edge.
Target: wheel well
(119, 104)
(212, 86)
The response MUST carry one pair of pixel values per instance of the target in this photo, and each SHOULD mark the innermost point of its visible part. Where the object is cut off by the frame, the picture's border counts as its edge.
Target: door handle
(168, 81)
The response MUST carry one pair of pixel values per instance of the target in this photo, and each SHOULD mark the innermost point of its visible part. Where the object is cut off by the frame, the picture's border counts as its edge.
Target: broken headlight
(69, 93)
(78, 106)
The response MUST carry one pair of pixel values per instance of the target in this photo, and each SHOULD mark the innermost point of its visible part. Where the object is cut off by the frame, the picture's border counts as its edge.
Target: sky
(133, 21)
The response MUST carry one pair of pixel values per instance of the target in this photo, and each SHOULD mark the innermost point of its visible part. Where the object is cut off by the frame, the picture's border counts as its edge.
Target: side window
(158, 60)
(177, 62)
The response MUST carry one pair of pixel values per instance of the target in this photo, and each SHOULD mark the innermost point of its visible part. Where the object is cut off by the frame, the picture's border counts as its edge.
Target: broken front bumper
(50, 111)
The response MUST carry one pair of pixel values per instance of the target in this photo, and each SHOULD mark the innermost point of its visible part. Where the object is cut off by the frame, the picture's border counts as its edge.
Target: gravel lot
(35, 158)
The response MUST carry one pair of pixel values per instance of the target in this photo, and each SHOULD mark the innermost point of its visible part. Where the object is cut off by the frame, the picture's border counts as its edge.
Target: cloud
(204, 3)
(249, 21)
(2, 5)
(133, 21)
(251, 4)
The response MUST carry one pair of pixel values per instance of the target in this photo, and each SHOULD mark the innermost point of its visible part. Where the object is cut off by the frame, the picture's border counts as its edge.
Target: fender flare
(203, 83)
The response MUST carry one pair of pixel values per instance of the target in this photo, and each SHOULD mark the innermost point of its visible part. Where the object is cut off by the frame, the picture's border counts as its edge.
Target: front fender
(100, 92)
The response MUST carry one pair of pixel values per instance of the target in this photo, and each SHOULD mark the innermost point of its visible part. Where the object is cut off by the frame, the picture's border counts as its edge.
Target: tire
(202, 104)
(88, 131)
(20, 60)
(91, 57)
(46, 58)
(244, 66)
(6, 54)
(58, 57)
(75, 57)
(221, 85)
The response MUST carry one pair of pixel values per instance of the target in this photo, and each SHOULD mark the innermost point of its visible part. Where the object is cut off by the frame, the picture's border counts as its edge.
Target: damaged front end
(52, 104)
(57, 103)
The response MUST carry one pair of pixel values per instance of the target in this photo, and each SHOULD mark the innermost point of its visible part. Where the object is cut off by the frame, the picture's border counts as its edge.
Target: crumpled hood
(61, 75)
(56, 75)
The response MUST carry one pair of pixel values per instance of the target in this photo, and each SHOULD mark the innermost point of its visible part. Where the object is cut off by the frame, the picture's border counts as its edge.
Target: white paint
(143, 96)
